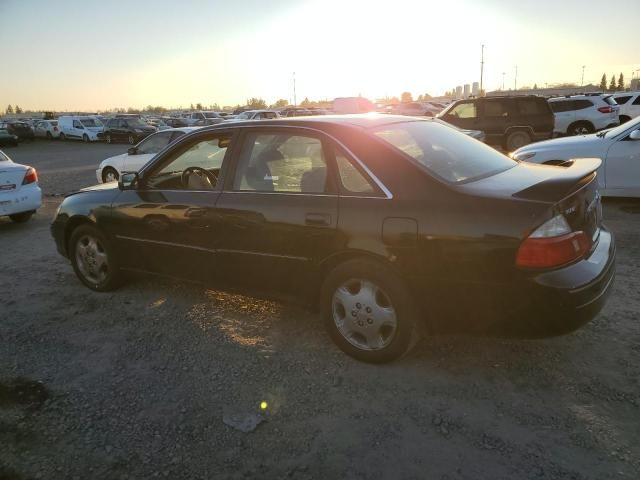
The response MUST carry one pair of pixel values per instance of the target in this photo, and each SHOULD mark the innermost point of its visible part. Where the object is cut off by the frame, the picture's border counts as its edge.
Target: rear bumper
(27, 199)
(565, 299)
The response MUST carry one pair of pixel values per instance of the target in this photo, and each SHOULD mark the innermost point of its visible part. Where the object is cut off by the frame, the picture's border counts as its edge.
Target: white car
(582, 114)
(619, 149)
(136, 157)
(255, 115)
(202, 118)
(20, 194)
(629, 105)
(46, 129)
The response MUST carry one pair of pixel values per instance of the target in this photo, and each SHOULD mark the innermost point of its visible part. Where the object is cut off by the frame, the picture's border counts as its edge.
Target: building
(467, 90)
(458, 92)
(475, 89)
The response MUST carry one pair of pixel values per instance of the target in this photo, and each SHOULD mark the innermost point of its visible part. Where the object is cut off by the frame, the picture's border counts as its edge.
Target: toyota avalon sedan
(392, 226)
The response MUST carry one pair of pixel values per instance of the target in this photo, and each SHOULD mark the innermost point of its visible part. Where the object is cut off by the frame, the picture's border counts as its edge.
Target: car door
(168, 224)
(278, 211)
(77, 129)
(140, 155)
(564, 115)
(39, 129)
(622, 167)
(463, 115)
(496, 115)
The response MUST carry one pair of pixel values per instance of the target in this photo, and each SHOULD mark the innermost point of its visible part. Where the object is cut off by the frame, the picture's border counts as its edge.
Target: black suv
(128, 129)
(510, 122)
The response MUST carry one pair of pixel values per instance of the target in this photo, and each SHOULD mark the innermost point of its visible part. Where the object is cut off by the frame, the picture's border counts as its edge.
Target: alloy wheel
(364, 314)
(91, 258)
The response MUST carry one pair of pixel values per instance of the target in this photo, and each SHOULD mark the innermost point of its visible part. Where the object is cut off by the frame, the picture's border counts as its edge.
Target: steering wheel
(212, 178)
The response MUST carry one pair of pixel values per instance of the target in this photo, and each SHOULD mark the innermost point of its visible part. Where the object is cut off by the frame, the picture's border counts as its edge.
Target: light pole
(515, 80)
(481, 68)
(503, 74)
(582, 80)
(295, 104)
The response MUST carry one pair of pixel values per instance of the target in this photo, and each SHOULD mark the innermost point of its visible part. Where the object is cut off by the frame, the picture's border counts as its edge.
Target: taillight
(30, 176)
(605, 109)
(553, 244)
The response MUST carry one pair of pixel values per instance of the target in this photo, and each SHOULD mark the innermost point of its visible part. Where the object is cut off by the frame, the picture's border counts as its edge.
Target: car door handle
(318, 219)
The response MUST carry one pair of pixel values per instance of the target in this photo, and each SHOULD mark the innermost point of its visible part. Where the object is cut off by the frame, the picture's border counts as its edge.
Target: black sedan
(128, 129)
(392, 226)
(22, 130)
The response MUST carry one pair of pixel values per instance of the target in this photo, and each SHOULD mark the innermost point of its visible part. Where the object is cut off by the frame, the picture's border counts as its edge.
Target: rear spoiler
(570, 177)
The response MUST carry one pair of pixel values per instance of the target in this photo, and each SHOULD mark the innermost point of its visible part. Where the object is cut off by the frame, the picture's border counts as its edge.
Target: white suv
(583, 114)
(629, 105)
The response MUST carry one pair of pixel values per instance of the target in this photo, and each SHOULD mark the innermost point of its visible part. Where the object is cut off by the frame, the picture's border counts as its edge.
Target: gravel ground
(148, 381)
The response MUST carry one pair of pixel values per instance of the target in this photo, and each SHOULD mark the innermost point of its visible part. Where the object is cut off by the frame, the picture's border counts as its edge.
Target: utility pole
(515, 80)
(295, 104)
(481, 68)
(582, 80)
(503, 74)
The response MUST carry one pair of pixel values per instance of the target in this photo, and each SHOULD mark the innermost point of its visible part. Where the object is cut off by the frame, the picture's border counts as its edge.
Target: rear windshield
(444, 151)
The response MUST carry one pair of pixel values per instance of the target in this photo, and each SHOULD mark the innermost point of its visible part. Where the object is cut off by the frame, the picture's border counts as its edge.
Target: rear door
(564, 115)
(278, 211)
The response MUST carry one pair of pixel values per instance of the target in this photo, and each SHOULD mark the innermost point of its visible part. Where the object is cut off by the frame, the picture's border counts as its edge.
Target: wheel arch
(579, 122)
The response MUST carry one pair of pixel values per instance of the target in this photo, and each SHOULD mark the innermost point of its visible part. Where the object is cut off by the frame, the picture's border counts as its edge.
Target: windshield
(90, 122)
(211, 115)
(443, 151)
(614, 132)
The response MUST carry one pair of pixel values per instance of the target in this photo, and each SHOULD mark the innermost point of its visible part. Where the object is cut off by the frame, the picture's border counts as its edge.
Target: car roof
(363, 121)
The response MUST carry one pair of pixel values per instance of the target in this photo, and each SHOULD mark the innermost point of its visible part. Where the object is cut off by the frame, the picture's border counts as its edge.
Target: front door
(622, 167)
(278, 211)
(463, 115)
(168, 224)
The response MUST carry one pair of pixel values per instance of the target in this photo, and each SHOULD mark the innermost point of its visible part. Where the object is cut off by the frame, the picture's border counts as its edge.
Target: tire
(351, 295)
(23, 217)
(624, 119)
(62, 137)
(93, 259)
(85, 138)
(108, 137)
(109, 174)
(132, 140)
(49, 136)
(516, 139)
(580, 128)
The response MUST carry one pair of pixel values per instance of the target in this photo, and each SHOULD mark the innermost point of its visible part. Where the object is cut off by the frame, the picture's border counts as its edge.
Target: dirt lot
(139, 383)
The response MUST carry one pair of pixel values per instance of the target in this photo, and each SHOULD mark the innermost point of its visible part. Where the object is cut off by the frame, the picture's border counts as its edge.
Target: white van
(352, 105)
(88, 129)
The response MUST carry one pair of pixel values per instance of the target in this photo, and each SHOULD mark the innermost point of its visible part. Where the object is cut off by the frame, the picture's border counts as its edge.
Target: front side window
(195, 168)
(154, 143)
(464, 110)
(281, 163)
(448, 154)
(90, 122)
(77, 124)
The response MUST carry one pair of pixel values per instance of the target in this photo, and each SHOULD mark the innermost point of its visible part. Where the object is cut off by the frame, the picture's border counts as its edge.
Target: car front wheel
(109, 174)
(93, 259)
(368, 312)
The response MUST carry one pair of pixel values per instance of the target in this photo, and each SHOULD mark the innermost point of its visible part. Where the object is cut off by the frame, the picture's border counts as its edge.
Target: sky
(98, 55)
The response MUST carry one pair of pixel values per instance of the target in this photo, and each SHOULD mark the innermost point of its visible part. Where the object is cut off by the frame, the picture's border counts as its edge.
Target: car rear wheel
(132, 140)
(517, 139)
(93, 259)
(368, 312)
(49, 136)
(21, 217)
(580, 128)
(62, 137)
(109, 174)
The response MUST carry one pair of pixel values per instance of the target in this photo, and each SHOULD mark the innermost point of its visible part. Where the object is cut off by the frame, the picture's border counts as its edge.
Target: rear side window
(581, 104)
(636, 101)
(610, 100)
(623, 100)
(352, 180)
(532, 106)
(495, 108)
(446, 153)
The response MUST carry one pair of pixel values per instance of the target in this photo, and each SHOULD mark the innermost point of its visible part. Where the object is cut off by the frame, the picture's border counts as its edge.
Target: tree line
(612, 84)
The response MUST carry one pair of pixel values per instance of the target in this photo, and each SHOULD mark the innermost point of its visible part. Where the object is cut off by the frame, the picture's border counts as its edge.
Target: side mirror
(128, 181)
(635, 135)
(132, 151)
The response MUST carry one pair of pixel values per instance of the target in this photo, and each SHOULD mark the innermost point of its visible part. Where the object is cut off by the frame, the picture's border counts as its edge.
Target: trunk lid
(570, 190)
(11, 176)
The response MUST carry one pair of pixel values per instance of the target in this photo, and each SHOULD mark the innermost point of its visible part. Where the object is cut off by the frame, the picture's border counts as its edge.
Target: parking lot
(144, 382)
